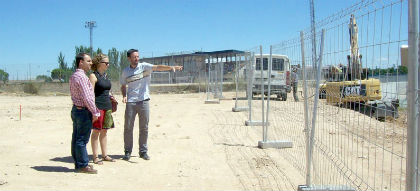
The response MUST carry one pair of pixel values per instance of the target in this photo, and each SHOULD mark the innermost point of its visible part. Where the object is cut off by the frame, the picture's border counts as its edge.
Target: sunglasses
(107, 63)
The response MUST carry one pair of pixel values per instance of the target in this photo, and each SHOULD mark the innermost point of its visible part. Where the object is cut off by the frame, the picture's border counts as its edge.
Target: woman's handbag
(114, 104)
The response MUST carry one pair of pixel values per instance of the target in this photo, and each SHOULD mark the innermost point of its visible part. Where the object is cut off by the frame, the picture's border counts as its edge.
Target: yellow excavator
(351, 85)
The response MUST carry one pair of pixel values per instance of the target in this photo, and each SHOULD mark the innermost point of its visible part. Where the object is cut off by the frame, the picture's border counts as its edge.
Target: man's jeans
(82, 126)
(140, 108)
(294, 86)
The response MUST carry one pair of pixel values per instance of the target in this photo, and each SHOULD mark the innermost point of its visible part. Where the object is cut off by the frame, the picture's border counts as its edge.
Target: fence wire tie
(417, 171)
(417, 102)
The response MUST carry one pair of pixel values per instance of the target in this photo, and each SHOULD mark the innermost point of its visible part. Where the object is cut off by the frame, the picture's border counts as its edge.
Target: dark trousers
(82, 126)
(294, 87)
(132, 109)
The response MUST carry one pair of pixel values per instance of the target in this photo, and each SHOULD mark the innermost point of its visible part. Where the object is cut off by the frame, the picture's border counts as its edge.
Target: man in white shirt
(135, 81)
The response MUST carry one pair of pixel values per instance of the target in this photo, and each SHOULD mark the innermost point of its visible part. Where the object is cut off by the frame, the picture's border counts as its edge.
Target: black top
(102, 87)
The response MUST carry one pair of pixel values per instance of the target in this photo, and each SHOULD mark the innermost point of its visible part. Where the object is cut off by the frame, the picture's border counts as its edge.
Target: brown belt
(78, 107)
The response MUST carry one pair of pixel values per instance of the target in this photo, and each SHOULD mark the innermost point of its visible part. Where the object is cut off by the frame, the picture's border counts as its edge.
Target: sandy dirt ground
(191, 148)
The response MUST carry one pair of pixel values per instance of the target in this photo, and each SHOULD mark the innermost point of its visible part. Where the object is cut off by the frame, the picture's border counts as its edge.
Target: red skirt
(104, 121)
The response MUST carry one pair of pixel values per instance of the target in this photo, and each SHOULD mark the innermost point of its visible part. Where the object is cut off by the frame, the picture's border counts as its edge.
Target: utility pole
(90, 25)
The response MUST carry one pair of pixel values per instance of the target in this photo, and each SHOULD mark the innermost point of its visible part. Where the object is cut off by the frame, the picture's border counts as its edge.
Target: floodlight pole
(90, 25)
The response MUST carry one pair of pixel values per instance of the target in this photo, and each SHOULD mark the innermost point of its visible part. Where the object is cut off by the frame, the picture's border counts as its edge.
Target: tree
(80, 49)
(391, 70)
(124, 60)
(44, 77)
(85, 49)
(4, 76)
(402, 70)
(114, 67)
(97, 52)
(61, 63)
(117, 61)
(388, 71)
(61, 74)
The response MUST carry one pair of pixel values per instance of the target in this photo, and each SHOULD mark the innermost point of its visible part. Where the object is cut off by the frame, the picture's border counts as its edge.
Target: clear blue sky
(34, 32)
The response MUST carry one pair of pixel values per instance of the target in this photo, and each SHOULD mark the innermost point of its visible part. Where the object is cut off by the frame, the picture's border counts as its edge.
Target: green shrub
(31, 88)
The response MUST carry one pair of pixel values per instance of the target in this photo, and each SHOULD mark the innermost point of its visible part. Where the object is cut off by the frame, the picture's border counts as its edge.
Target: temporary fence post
(262, 90)
(305, 99)
(268, 94)
(208, 81)
(412, 96)
(315, 109)
(236, 80)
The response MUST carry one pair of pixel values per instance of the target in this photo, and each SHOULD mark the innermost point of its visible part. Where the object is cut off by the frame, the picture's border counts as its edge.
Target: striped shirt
(295, 77)
(137, 80)
(82, 93)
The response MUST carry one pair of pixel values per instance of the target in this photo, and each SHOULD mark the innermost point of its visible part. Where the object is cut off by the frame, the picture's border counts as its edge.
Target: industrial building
(195, 65)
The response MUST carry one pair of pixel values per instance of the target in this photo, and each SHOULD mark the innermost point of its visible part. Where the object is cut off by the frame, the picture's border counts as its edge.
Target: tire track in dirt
(254, 167)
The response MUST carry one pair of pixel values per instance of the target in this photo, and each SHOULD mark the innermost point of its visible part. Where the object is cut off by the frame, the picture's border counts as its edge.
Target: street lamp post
(90, 25)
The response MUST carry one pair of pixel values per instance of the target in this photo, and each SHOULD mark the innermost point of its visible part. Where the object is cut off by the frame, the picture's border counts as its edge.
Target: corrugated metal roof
(220, 53)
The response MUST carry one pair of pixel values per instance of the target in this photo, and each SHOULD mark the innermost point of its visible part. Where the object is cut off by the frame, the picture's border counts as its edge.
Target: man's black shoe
(144, 156)
(127, 156)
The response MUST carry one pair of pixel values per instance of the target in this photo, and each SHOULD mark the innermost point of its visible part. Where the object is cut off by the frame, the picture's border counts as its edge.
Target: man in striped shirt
(83, 113)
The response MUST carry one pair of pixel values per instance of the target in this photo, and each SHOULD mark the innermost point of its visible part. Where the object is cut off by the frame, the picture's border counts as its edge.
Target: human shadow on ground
(69, 159)
(119, 157)
(235, 145)
(52, 169)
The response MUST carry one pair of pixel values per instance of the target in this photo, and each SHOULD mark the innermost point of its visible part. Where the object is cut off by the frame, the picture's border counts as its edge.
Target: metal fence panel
(241, 75)
(360, 137)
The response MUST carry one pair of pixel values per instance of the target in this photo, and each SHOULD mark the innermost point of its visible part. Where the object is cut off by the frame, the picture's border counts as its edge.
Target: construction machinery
(351, 85)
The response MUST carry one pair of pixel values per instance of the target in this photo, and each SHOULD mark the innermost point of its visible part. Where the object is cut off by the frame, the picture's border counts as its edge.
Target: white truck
(280, 83)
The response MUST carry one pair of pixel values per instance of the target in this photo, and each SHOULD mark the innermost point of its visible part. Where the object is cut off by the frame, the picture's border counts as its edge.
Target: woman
(102, 87)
